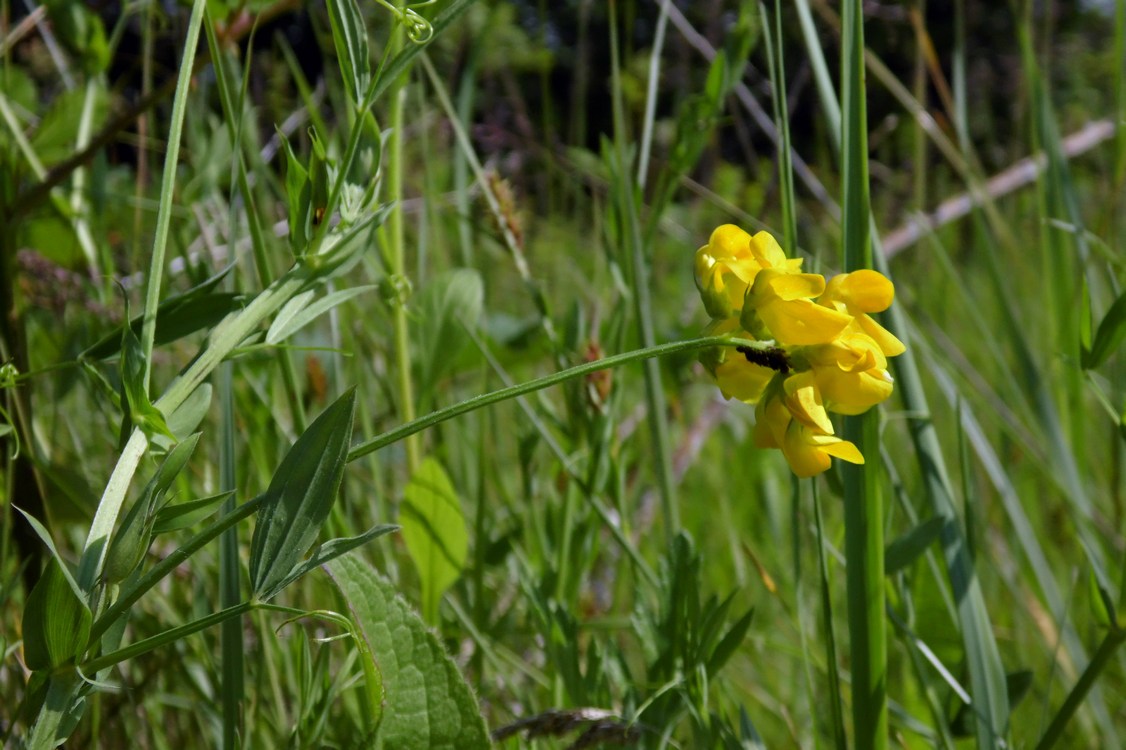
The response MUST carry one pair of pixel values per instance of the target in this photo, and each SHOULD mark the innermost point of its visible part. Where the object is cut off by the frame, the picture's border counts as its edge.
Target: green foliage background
(430, 218)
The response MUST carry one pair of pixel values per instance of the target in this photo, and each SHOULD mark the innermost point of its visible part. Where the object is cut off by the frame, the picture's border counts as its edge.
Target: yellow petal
(802, 323)
(804, 402)
(729, 241)
(739, 379)
(805, 459)
(771, 420)
(767, 251)
(841, 449)
(888, 343)
(862, 291)
(787, 286)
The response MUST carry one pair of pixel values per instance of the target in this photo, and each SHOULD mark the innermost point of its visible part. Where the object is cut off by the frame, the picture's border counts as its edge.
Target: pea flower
(850, 372)
(791, 417)
(728, 264)
(782, 302)
(828, 354)
(859, 293)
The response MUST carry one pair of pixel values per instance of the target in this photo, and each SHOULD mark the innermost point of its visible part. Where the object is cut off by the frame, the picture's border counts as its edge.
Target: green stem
(143, 647)
(488, 399)
(397, 259)
(1114, 638)
(629, 198)
(864, 525)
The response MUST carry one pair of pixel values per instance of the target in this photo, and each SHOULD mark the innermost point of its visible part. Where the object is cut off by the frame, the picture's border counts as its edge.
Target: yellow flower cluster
(828, 354)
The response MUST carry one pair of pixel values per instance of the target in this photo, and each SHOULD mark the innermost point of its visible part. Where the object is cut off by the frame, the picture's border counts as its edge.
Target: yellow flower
(724, 269)
(808, 448)
(850, 372)
(859, 293)
(780, 301)
(728, 264)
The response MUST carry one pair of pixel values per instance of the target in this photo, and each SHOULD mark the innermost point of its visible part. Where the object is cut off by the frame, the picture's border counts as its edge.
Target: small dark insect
(318, 215)
(775, 357)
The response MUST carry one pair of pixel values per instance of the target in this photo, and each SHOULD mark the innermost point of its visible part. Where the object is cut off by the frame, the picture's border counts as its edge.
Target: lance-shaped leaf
(56, 621)
(135, 534)
(351, 41)
(300, 497)
(1111, 331)
(141, 410)
(907, 548)
(197, 309)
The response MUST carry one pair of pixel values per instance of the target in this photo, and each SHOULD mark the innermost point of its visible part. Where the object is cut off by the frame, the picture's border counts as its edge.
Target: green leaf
(428, 703)
(177, 516)
(333, 549)
(449, 304)
(906, 549)
(299, 195)
(434, 530)
(190, 413)
(134, 536)
(305, 313)
(41, 532)
(56, 621)
(300, 497)
(80, 29)
(141, 410)
(1102, 603)
(57, 133)
(295, 305)
(1109, 334)
(178, 316)
(62, 705)
(730, 642)
(1017, 685)
(351, 41)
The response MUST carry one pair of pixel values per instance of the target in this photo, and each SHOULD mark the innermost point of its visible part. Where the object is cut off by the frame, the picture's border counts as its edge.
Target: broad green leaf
(300, 497)
(1109, 334)
(56, 622)
(905, 549)
(428, 704)
(434, 530)
(306, 313)
(446, 306)
(55, 137)
(351, 41)
(63, 703)
(177, 516)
